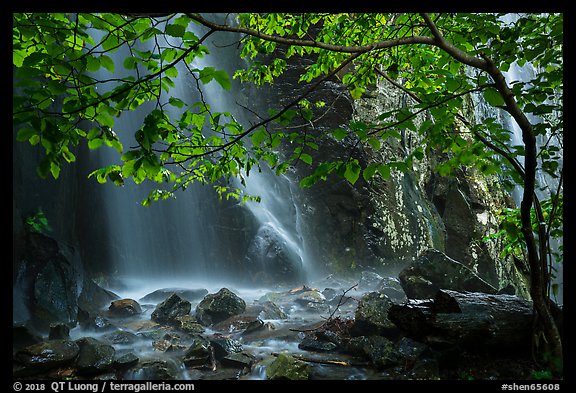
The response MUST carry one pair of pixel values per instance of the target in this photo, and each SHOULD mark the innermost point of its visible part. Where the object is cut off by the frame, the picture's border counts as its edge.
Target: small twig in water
(341, 302)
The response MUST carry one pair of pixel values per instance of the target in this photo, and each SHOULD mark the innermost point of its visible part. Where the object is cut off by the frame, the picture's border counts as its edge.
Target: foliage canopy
(70, 87)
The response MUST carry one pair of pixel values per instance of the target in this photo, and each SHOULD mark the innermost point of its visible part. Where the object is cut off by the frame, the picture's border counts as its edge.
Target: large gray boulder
(219, 306)
(434, 270)
(371, 316)
(380, 351)
(160, 295)
(287, 367)
(94, 357)
(44, 356)
(170, 309)
(124, 308)
(270, 259)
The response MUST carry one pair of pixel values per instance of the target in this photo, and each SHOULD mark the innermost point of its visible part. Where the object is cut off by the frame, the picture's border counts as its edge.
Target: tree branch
(312, 43)
(450, 48)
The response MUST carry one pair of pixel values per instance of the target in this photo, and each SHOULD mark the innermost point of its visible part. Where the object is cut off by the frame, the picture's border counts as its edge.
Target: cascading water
(195, 236)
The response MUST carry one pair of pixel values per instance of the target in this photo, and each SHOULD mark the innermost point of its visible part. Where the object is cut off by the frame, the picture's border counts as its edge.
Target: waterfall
(196, 236)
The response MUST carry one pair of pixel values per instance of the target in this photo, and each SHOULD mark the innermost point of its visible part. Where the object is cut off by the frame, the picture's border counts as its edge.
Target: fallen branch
(341, 302)
(325, 361)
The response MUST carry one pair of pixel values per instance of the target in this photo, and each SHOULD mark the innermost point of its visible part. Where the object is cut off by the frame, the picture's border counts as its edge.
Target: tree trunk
(469, 320)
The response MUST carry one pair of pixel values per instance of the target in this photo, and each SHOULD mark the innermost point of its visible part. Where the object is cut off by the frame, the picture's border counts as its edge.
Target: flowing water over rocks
(332, 328)
(153, 333)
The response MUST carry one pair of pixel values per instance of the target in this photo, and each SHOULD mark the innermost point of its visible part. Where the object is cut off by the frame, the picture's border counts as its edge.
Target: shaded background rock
(160, 295)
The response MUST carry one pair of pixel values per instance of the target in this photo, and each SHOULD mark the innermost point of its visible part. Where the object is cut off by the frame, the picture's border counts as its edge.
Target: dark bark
(470, 320)
(536, 249)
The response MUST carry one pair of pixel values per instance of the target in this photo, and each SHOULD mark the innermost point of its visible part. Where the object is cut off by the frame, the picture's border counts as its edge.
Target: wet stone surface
(328, 331)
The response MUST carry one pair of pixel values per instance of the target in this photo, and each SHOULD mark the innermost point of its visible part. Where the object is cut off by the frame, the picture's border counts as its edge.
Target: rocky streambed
(329, 329)
(194, 333)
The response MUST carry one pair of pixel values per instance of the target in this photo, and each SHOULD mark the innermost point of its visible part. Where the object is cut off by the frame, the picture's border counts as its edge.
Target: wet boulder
(59, 331)
(310, 298)
(224, 346)
(259, 328)
(94, 298)
(93, 321)
(124, 308)
(165, 345)
(371, 316)
(434, 270)
(44, 356)
(369, 281)
(23, 336)
(391, 287)
(238, 360)
(50, 283)
(198, 353)
(170, 309)
(287, 367)
(125, 361)
(271, 260)
(380, 351)
(160, 295)
(267, 310)
(188, 324)
(121, 337)
(94, 356)
(315, 344)
(219, 306)
(155, 370)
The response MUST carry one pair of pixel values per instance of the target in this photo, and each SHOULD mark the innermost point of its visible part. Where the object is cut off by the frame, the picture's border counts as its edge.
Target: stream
(281, 330)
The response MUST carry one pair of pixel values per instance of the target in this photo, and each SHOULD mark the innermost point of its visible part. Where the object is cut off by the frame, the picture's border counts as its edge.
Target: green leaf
(105, 120)
(307, 158)
(206, 74)
(171, 72)
(352, 172)
(223, 79)
(370, 171)
(374, 143)
(384, 171)
(68, 156)
(177, 102)
(307, 181)
(25, 134)
(93, 63)
(493, 97)
(55, 169)
(339, 133)
(130, 63)
(175, 30)
(306, 114)
(107, 62)
(259, 136)
(95, 143)
(357, 92)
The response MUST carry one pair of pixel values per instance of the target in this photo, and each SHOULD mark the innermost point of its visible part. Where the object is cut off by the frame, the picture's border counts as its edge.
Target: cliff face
(386, 224)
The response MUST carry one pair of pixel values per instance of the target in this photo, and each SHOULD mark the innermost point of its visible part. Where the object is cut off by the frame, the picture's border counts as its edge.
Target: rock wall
(386, 224)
